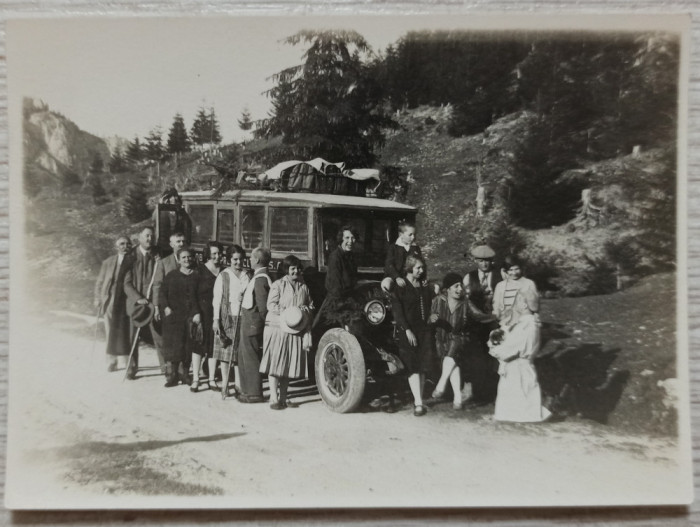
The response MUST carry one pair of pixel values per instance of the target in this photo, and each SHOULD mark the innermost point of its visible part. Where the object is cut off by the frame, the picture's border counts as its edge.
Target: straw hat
(294, 320)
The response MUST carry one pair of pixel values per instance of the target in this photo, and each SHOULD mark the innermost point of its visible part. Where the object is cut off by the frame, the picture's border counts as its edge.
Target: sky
(126, 76)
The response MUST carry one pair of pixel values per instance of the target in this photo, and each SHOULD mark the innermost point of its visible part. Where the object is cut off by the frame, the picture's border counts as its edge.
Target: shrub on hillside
(134, 206)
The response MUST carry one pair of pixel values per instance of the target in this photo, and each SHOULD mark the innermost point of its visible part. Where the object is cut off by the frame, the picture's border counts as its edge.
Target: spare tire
(340, 370)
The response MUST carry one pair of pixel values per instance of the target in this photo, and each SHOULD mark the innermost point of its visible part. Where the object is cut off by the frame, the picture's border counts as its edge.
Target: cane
(94, 339)
(138, 330)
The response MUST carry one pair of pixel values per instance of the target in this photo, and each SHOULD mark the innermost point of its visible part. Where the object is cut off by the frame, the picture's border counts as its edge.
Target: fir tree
(205, 128)
(245, 123)
(331, 105)
(214, 132)
(178, 141)
(134, 152)
(117, 163)
(134, 205)
(198, 132)
(154, 145)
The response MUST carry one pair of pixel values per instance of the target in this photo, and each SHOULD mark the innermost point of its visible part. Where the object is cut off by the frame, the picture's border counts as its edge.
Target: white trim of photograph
(411, 261)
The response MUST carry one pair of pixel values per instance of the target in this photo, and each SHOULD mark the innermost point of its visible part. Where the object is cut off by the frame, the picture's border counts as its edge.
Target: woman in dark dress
(178, 303)
(411, 307)
(212, 257)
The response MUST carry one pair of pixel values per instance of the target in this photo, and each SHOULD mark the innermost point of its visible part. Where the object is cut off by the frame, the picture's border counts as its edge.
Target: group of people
(482, 329)
(471, 334)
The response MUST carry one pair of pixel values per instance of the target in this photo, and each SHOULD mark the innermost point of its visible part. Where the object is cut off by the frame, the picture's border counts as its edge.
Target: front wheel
(340, 370)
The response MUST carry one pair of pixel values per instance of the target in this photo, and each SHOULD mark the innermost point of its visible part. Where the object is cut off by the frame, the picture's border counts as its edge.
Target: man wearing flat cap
(481, 282)
(480, 285)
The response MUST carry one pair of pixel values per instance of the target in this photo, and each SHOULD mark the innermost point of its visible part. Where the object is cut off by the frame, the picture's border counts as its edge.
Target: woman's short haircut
(183, 250)
(512, 261)
(263, 255)
(290, 261)
(206, 252)
(236, 249)
(410, 263)
(339, 236)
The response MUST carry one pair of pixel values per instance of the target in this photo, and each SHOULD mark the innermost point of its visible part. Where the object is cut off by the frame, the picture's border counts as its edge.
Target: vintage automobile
(306, 224)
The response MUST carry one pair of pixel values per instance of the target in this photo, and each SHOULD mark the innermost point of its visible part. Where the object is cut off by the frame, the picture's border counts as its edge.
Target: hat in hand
(294, 320)
(142, 315)
(483, 252)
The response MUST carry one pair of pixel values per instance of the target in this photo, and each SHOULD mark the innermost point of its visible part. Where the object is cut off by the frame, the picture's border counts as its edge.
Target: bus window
(224, 226)
(289, 230)
(252, 226)
(202, 223)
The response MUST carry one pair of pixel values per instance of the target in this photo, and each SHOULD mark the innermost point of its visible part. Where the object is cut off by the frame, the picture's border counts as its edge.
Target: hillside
(569, 258)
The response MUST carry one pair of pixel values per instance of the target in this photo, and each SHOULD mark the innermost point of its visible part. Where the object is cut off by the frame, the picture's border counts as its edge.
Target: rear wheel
(340, 370)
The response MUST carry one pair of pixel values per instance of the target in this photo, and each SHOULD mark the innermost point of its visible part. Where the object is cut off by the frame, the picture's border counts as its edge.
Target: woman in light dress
(228, 292)
(285, 347)
(516, 304)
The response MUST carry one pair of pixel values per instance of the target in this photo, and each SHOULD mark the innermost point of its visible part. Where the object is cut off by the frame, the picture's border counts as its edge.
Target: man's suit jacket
(477, 294)
(108, 280)
(165, 265)
(138, 278)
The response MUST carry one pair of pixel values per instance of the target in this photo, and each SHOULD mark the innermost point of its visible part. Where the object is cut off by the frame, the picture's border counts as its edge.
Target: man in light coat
(110, 303)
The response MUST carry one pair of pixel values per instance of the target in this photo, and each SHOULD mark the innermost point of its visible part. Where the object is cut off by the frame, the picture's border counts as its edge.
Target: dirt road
(82, 438)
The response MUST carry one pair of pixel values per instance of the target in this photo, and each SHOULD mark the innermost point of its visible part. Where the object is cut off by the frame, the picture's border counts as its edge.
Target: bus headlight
(375, 312)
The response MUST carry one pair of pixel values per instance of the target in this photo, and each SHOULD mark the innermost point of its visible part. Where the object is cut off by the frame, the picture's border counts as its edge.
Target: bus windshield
(375, 230)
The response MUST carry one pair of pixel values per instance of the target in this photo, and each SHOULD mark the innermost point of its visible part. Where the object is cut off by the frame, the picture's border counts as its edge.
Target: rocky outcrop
(54, 146)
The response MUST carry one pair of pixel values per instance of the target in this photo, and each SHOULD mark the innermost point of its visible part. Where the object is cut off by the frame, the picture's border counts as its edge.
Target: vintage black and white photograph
(348, 261)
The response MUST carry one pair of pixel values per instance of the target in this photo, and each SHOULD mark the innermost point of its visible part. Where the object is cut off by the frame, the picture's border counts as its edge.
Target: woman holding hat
(287, 336)
(455, 313)
(515, 344)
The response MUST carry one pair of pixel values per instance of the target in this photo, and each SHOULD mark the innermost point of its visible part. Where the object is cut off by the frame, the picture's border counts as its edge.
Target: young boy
(397, 253)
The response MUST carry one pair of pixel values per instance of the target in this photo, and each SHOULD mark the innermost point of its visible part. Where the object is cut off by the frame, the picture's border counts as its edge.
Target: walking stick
(138, 330)
(94, 339)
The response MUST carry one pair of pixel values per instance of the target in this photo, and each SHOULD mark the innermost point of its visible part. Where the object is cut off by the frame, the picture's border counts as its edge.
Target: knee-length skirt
(226, 344)
(283, 354)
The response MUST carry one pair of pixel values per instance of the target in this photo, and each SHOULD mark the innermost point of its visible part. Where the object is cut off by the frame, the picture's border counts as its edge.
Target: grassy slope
(590, 339)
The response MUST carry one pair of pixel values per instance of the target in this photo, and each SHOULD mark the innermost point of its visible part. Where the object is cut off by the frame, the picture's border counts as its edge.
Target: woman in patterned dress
(228, 293)
(284, 348)
(455, 319)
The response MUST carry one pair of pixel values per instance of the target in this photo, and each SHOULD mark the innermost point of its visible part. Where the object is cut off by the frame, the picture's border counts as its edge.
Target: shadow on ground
(579, 379)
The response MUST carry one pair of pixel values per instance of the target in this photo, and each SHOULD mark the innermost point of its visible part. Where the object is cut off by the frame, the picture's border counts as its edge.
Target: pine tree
(198, 132)
(154, 145)
(134, 205)
(178, 141)
(205, 128)
(117, 163)
(245, 123)
(213, 128)
(134, 152)
(330, 106)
